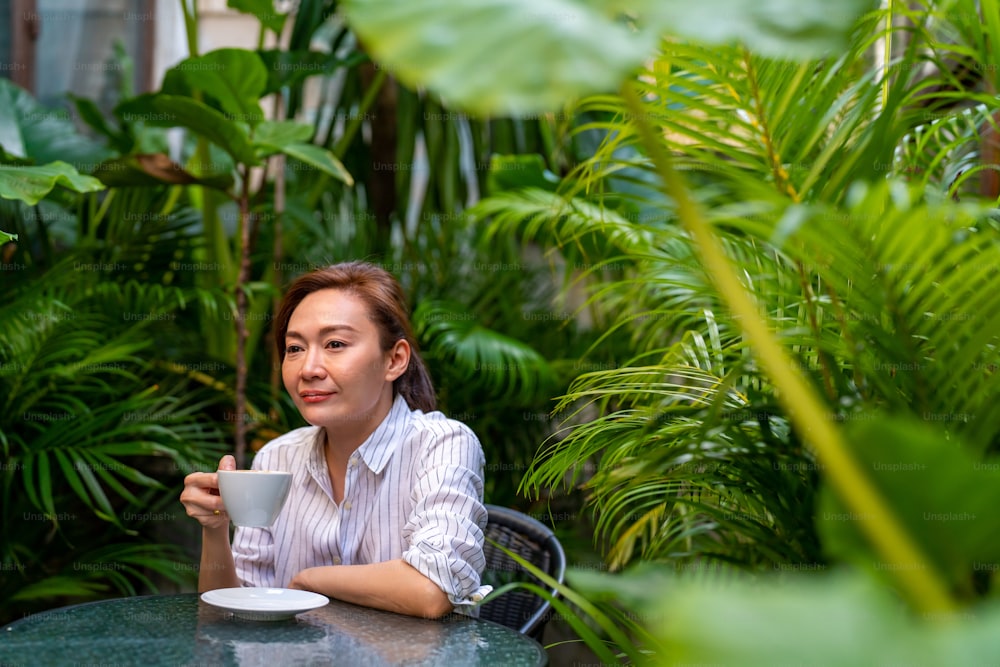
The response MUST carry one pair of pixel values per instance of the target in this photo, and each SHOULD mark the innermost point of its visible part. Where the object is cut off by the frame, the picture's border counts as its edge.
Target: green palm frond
(913, 302)
(760, 127)
(89, 424)
(121, 567)
(540, 215)
(944, 152)
(882, 300)
(90, 448)
(125, 565)
(58, 587)
(682, 452)
(480, 356)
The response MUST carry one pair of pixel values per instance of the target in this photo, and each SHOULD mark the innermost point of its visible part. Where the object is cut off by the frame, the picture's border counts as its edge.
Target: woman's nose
(312, 365)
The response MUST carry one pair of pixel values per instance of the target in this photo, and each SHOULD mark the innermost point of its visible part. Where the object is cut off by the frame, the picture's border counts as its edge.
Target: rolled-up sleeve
(444, 532)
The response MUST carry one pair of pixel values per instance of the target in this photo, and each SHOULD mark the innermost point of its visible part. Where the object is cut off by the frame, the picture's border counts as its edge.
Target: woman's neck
(344, 439)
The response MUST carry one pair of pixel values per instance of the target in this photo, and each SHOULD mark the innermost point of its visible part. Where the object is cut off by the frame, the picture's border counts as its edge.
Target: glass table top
(183, 630)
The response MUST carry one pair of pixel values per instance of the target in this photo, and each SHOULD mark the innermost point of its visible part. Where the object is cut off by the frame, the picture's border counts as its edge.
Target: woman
(386, 503)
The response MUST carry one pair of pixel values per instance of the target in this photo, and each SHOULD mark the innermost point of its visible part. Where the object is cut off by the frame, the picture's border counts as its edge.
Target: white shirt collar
(376, 450)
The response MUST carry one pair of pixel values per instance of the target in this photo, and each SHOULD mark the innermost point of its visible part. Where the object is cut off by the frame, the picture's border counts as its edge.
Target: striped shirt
(413, 490)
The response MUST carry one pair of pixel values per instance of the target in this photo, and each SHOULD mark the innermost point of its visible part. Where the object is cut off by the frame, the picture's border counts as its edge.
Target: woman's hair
(383, 296)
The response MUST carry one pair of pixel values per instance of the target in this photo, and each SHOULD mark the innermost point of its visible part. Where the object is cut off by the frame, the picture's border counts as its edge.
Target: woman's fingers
(201, 499)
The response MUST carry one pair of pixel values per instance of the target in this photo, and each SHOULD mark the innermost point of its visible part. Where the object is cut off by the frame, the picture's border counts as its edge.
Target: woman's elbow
(434, 602)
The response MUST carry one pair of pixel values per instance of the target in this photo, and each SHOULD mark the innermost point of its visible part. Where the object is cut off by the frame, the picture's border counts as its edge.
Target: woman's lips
(315, 396)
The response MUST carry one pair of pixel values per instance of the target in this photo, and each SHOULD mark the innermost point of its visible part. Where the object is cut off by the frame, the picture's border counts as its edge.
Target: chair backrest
(532, 540)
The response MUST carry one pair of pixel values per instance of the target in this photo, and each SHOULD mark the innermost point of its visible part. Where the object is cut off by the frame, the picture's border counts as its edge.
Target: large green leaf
(178, 111)
(236, 78)
(943, 496)
(4, 237)
(31, 184)
(501, 56)
(275, 134)
(29, 130)
(514, 172)
(524, 56)
(263, 10)
(317, 157)
(778, 28)
(834, 621)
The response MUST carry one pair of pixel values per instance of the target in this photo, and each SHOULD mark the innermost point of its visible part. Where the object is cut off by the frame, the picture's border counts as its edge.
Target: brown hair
(383, 296)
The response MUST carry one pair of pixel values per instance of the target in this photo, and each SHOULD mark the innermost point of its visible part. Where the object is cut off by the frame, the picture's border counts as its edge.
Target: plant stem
(242, 279)
(218, 342)
(190, 12)
(277, 254)
(804, 407)
(350, 130)
(355, 122)
(887, 52)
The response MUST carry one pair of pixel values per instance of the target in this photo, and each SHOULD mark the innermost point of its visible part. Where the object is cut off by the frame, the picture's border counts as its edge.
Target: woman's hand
(201, 498)
(301, 580)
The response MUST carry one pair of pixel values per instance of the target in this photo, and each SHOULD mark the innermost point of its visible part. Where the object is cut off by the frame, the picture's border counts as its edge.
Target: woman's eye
(335, 344)
(291, 349)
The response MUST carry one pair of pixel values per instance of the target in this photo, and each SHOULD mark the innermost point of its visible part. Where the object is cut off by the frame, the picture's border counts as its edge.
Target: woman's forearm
(392, 585)
(217, 567)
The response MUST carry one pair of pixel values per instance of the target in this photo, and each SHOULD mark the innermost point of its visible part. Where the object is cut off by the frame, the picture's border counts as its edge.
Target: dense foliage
(776, 241)
(141, 282)
(790, 228)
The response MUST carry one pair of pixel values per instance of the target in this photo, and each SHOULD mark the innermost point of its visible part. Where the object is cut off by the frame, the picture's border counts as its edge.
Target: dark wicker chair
(515, 531)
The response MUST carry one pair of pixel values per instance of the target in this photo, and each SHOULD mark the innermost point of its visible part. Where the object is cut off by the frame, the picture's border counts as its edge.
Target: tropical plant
(105, 405)
(153, 243)
(482, 315)
(420, 165)
(809, 311)
(99, 426)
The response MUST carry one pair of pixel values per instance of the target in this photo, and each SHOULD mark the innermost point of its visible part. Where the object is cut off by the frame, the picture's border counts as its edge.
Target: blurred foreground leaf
(778, 28)
(530, 56)
(945, 498)
(833, 621)
(527, 55)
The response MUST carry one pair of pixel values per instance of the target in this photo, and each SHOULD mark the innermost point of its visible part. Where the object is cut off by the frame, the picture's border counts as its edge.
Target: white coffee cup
(253, 498)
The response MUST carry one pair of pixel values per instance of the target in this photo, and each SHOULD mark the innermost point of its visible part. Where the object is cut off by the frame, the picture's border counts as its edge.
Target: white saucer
(264, 604)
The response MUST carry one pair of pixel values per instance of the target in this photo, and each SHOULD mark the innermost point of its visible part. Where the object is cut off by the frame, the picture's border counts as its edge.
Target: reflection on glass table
(181, 629)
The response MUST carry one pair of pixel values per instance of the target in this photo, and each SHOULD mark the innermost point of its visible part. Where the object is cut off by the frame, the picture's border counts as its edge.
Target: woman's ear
(397, 360)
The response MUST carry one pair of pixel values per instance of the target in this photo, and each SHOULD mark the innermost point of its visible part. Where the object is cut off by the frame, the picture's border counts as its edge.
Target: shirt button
(337, 561)
(353, 461)
(347, 505)
(476, 597)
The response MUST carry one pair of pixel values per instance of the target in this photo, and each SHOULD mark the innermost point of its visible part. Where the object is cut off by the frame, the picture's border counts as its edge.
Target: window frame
(26, 26)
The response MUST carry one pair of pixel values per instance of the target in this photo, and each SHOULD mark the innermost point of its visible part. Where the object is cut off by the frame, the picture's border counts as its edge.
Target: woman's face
(334, 367)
